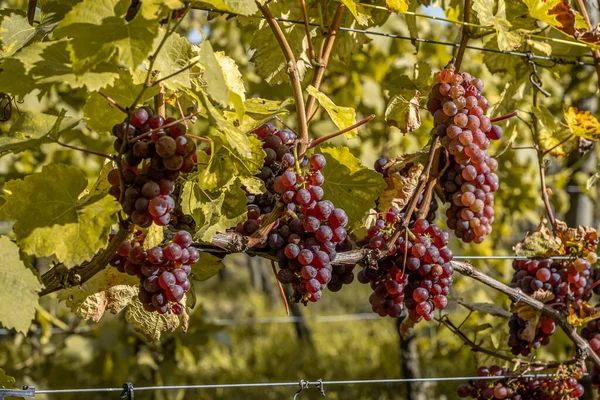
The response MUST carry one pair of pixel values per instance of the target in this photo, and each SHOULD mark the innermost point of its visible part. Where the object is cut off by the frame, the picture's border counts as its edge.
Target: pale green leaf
(206, 267)
(242, 7)
(234, 82)
(348, 184)
(32, 129)
(99, 31)
(403, 111)
(108, 290)
(101, 115)
(6, 381)
(342, 117)
(397, 6)
(50, 220)
(216, 87)
(257, 105)
(15, 31)
(175, 54)
(18, 297)
(358, 10)
(507, 40)
(154, 236)
(150, 9)
(151, 325)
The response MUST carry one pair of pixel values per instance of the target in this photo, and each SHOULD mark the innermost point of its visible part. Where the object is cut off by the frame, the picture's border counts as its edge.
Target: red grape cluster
(163, 271)
(458, 109)
(278, 146)
(592, 334)
(562, 386)
(417, 273)
(566, 281)
(147, 191)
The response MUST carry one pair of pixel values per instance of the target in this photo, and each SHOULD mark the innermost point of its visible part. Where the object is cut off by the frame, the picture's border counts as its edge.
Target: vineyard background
(231, 339)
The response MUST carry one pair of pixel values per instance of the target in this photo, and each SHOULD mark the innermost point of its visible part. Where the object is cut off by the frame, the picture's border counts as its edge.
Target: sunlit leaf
(342, 117)
(403, 112)
(18, 297)
(150, 324)
(582, 123)
(206, 267)
(400, 188)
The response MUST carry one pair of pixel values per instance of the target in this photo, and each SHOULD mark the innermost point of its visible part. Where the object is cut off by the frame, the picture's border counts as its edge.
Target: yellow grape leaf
(357, 11)
(541, 243)
(507, 40)
(582, 123)
(402, 111)
(7, 381)
(583, 315)
(154, 236)
(400, 188)
(342, 117)
(397, 6)
(552, 136)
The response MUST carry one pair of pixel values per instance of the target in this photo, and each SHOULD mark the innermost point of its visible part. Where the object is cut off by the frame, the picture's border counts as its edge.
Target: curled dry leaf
(541, 243)
(403, 111)
(582, 123)
(581, 239)
(400, 188)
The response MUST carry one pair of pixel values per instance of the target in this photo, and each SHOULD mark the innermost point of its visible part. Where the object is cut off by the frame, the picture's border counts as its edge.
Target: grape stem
(587, 290)
(320, 140)
(503, 117)
(292, 73)
(311, 50)
(190, 65)
(84, 150)
(538, 365)
(160, 105)
(114, 103)
(278, 118)
(595, 52)
(324, 54)
(558, 144)
(465, 35)
(423, 179)
(281, 291)
(143, 135)
(433, 178)
(198, 137)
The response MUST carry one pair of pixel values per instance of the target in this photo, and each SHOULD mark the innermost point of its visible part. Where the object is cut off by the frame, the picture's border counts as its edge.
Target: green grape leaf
(175, 54)
(18, 297)
(151, 325)
(222, 211)
(359, 13)
(15, 31)
(268, 59)
(242, 7)
(403, 111)
(552, 136)
(101, 185)
(99, 31)
(53, 11)
(154, 236)
(258, 111)
(206, 267)
(257, 105)
(33, 129)
(252, 184)
(348, 184)
(507, 40)
(234, 81)
(7, 381)
(342, 117)
(485, 308)
(101, 115)
(109, 290)
(150, 9)
(51, 220)
(46, 63)
(397, 6)
(217, 170)
(213, 75)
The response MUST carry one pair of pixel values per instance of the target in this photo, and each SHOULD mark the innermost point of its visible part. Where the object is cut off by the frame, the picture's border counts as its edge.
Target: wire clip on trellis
(27, 391)
(128, 391)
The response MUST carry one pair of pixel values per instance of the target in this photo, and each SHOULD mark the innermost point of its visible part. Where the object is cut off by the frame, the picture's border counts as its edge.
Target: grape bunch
(566, 281)
(561, 386)
(163, 271)
(591, 333)
(147, 196)
(306, 236)
(458, 109)
(417, 274)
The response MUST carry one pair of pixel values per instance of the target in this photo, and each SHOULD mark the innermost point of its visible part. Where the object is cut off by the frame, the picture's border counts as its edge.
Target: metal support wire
(528, 55)
(319, 384)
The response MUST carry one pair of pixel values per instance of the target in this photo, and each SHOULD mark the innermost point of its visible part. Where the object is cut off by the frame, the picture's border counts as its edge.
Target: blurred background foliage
(229, 340)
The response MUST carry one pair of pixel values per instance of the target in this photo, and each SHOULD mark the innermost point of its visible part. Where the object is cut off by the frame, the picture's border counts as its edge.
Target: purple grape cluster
(563, 386)
(147, 196)
(458, 109)
(163, 271)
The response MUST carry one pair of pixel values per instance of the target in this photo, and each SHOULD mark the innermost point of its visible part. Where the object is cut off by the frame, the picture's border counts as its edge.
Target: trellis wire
(288, 384)
(556, 60)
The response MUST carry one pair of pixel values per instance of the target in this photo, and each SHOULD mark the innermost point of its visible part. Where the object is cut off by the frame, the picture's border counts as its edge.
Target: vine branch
(320, 140)
(465, 35)
(324, 54)
(292, 73)
(588, 22)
